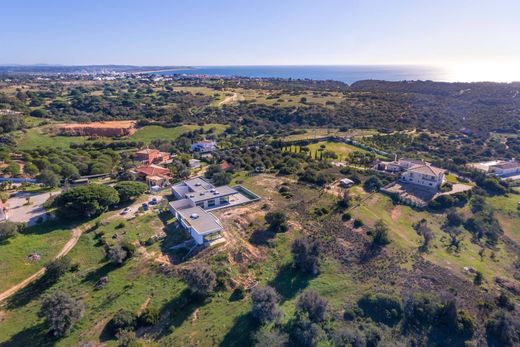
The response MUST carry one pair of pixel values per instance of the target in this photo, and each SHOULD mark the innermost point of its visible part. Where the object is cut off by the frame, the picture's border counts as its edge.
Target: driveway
(19, 210)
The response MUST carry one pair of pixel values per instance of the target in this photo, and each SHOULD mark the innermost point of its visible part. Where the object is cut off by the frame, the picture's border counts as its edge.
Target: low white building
(509, 168)
(204, 146)
(399, 165)
(194, 163)
(424, 175)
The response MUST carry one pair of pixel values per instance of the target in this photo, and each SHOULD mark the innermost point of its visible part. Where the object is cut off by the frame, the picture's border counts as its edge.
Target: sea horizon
(342, 73)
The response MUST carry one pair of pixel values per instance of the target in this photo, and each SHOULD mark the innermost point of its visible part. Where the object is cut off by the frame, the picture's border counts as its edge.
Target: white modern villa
(195, 198)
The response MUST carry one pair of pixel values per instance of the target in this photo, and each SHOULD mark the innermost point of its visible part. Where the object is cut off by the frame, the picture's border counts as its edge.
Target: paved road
(19, 211)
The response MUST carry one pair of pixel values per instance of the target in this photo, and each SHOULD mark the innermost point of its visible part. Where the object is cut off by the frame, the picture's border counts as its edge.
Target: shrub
(358, 223)
(265, 304)
(117, 254)
(372, 184)
(503, 330)
(122, 320)
(479, 278)
(452, 321)
(238, 294)
(57, 268)
(349, 337)
(277, 221)
(127, 338)
(9, 229)
(311, 303)
(201, 280)
(419, 312)
(306, 333)
(150, 316)
(129, 248)
(62, 312)
(454, 218)
(381, 308)
(380, 234)
(270, 338)
(442, 202)
(346, 216)
(306, 255)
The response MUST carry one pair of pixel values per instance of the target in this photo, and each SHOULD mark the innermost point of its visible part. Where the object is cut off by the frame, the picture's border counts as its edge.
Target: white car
(126, 210)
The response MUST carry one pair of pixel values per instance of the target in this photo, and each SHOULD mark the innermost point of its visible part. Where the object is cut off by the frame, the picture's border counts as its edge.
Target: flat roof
(212, 193)
(508, 165)
(204, 222)
(198, 184)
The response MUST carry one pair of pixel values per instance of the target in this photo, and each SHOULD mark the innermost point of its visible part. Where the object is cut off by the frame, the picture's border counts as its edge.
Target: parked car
(145, 206)
(153, 201)
(126, 210)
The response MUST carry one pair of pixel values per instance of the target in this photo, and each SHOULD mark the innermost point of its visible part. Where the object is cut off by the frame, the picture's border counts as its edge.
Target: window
(211, 203)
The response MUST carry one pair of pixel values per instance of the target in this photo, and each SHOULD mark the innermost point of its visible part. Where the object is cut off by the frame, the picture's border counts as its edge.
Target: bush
(503, 330)
(127, 338)
(277, 221)
(381, 308)
(129, 248)
(270, 338)
(312, 304)
(238, 294)
(358, 223)
(9, 229)
(349, 337)
(454, 218)
(306, 254)
(265, 304)
(201, 280)
(454, 322)
(373, 184)
(479, 278)
(305, 333)
(150, 316)
(346, 217)
(57, 268)
(419, 312)
(442, 202)
(380, 234)
(122, 320)
(62, 312)
(117, 254)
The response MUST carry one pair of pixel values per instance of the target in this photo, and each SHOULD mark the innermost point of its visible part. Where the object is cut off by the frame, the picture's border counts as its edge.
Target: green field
(341, 149)
(46, 240)
(157, 132)
(39, 137)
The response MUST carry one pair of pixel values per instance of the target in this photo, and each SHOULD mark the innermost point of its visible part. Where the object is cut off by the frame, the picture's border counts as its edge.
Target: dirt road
(76, 233)
(231, 99)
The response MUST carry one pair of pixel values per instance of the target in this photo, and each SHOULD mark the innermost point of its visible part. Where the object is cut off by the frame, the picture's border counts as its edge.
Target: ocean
(344, 73)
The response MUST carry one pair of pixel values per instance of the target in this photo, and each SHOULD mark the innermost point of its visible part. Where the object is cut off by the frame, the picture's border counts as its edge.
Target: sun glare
(484, 71)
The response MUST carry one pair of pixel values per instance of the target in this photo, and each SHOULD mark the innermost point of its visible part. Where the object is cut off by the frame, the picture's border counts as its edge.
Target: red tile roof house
(224, 165)
(151, 156)
(151, 170)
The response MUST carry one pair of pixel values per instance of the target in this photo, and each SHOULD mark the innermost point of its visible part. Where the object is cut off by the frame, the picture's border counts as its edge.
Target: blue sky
(259, 32)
